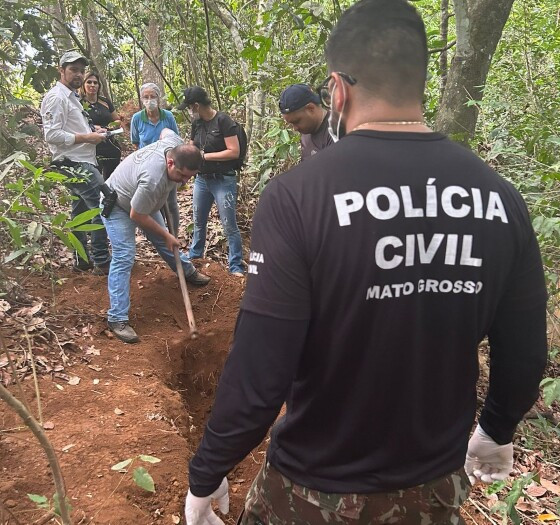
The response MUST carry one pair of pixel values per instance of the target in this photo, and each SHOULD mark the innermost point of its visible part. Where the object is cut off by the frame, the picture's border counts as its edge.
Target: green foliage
(506, 506)
(27, 221)
(140, 475)
(551, 390)
(44, 503)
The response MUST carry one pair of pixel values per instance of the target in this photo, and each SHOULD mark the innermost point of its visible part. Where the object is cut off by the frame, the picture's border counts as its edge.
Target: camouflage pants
(274, 500)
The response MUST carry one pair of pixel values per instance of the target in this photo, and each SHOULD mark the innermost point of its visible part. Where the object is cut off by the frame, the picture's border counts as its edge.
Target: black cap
(296, 96)
(193, 95)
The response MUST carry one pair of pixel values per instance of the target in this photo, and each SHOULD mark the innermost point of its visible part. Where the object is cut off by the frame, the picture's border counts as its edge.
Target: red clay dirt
(163, 385)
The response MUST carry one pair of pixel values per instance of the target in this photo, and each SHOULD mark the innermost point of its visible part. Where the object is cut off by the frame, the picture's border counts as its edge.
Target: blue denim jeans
(221, 189)
(87, 192)
(122, 232)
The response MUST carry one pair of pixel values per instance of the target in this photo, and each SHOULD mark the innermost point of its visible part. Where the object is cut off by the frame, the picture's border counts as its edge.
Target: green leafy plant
(506, 507)
(27, 219)
(140, 475)
(44, 503)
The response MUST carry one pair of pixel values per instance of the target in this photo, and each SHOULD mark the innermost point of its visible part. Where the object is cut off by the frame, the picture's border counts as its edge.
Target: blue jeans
(88, 198)
(222, 189)
(122, 232)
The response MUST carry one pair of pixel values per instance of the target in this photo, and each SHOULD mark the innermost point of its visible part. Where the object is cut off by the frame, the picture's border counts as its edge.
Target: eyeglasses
(92, 82)
(323, 89)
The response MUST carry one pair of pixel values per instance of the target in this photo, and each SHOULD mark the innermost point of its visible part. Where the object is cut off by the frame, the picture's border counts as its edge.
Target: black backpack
(242, 137)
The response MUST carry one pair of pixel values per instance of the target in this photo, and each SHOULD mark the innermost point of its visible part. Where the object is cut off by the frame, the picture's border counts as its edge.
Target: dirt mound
(150, 398)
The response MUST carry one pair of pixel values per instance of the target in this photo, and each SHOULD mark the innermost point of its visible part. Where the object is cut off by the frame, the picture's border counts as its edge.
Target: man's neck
(320, 121)
(385, 117)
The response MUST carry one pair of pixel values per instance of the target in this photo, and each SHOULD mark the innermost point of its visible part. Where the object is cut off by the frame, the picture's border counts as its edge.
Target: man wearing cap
(72, 143)
(301, 108)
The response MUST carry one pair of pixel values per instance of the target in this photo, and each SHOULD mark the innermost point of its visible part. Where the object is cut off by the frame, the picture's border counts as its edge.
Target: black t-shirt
(312, 143)
(375, 270)
(399, 248)
(100, 111)
(100, 114)
(209, 136)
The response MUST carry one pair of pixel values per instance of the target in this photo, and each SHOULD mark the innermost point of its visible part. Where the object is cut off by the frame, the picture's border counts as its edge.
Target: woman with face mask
(215, 134)
(146, 125)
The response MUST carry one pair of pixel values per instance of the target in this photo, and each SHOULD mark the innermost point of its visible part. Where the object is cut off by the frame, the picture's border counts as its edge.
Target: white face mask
(150, 103)
(337, 136)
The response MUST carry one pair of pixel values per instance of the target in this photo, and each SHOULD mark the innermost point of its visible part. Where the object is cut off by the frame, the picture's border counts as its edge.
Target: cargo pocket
(450, 492)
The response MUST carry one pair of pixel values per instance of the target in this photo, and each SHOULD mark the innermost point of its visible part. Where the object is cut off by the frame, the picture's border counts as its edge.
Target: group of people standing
(76, 121)
(213, 132)
(373, 266)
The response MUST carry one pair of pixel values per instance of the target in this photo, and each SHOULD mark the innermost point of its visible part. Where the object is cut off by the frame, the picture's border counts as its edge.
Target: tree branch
(39, 433)
(442, 49)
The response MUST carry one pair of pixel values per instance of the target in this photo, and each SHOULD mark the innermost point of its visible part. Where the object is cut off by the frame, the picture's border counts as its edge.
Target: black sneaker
(101, 269)
(82, 266)
(197, 278)
(123, 331)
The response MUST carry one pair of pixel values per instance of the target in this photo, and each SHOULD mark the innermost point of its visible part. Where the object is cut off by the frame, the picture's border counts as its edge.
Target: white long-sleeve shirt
(64, 117)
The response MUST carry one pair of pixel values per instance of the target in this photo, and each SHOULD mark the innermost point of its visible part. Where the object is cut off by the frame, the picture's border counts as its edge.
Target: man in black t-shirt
(300, 107)
(376, 268)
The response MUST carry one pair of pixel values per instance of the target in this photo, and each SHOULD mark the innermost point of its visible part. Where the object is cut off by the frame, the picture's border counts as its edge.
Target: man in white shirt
(72, 143)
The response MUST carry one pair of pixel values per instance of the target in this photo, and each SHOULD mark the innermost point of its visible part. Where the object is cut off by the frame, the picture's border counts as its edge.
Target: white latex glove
(198, 511)
(487, 461)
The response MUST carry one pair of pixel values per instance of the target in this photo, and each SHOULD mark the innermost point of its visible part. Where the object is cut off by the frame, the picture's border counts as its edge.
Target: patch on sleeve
(48, 116)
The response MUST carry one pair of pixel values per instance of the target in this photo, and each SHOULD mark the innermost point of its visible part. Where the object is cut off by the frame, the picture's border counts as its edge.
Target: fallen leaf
(60, 387)
(67, 448)
(118, 411)
(547, 517)
(548, 485)
(96, 381)
(29, 311)
(175, 519)
(74, 380)
(527, 506)
(95, 367)
(91, 350)
(536, 490)
(48, 425)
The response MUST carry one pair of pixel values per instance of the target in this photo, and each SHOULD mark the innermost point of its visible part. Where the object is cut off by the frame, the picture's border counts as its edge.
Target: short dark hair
(186, 156)
(381, 43)
(196, 94)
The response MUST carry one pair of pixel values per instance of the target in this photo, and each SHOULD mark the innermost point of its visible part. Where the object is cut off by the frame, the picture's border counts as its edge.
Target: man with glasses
(72, 142)
(378, 266)
(143, 182)
(301, 108)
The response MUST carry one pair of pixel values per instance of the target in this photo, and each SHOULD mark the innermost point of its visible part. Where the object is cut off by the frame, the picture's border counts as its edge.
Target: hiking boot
(197, 278)
(101, 269)
(123, 331)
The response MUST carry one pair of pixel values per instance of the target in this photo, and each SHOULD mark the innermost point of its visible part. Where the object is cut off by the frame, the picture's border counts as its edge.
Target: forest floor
(104, 401)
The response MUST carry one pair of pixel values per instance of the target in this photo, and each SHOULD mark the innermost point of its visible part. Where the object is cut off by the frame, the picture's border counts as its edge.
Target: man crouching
(143, 181)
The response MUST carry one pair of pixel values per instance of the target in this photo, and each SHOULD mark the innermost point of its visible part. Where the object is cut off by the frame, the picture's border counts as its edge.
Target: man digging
(376, 269)
(143, 182)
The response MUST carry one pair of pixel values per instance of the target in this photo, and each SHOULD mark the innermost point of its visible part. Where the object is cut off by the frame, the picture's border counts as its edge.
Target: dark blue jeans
(221, 189)
(88, 192)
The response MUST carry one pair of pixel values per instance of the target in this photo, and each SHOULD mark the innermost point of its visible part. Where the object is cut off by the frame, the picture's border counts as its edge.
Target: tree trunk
(150, 72)
(259, 97)
(479, 26)
(62, 40)
(443, 35)
(231, 23)
(95, 49)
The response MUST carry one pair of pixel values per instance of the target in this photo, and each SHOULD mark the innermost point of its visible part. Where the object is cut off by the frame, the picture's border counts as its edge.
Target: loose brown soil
(164, 386)
(150, 398)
